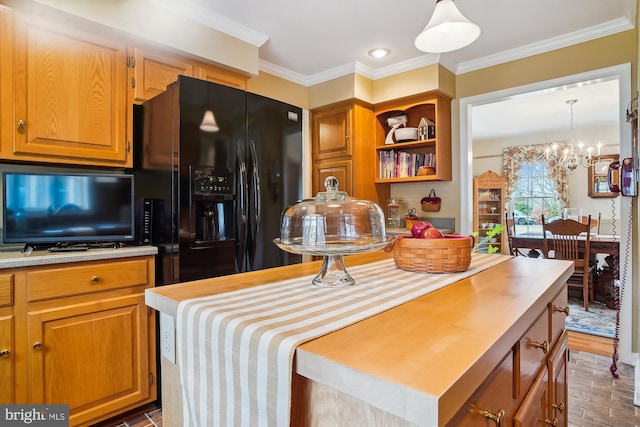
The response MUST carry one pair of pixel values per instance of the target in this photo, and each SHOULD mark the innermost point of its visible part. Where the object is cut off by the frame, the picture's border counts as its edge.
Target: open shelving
(399, 162)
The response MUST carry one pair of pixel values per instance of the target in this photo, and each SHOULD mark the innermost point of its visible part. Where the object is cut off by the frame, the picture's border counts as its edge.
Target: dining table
(600, 243)
(531, 244)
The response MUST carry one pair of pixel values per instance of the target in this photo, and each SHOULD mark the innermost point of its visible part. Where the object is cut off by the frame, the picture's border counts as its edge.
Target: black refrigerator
(214, 168)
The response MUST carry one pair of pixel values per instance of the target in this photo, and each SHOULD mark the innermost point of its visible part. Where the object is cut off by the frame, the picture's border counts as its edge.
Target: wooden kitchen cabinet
(85, 337)
(341, 169)
(7, 341)
(105, 341)
(69, 94)
(342, 143)
(529, 386)
(154, 70)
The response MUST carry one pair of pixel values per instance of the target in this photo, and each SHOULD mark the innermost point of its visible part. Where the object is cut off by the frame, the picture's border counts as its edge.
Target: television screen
(62, 208)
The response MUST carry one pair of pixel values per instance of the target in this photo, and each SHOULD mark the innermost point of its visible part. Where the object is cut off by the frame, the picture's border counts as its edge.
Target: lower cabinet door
(533, 411)
(92, 356)
(493, 403)
(7, 350)
(558, 386)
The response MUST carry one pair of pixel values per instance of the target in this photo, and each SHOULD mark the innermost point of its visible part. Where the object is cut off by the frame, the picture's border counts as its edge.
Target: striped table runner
(235, 350)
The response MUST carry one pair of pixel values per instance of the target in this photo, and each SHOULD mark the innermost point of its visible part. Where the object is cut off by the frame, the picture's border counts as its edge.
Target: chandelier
(571, 155)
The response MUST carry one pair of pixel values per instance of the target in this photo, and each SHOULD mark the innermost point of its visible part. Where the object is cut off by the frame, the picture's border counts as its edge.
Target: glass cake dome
(332, 225)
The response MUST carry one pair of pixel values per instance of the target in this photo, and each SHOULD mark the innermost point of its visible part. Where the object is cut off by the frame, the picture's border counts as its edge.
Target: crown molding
(283, 73)
(592, 33)
(404, 66)
(193, 11)
(211, 19)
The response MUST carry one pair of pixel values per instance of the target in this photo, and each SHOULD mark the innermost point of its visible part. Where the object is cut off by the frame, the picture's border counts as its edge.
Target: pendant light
(209, 122)
(447, 30)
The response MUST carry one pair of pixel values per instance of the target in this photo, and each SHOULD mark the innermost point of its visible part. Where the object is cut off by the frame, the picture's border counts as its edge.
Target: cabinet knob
(558, 407)
(21, 124)
(564, 310)
(544, 346)
(37, 345)
(95, 279)
(497, 418)
(4, 353)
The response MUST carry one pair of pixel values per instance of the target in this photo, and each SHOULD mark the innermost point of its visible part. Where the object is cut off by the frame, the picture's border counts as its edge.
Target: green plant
(486, 239)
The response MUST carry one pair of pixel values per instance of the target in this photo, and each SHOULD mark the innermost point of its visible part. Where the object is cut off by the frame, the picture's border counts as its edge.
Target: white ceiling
(309, 42)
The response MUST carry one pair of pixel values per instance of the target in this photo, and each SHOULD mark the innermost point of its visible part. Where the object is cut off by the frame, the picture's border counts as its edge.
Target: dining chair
(595, 223)
(568, 239)
(510, 226)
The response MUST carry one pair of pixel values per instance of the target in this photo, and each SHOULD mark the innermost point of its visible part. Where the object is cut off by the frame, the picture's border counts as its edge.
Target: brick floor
(596, 399)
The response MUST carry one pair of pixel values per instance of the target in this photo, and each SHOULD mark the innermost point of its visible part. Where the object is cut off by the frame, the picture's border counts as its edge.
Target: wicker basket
(449, 255)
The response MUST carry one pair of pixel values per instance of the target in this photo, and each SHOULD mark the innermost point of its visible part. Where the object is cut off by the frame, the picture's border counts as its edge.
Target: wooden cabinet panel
(533, 411)
(87, 278)
(7, 368)
(7, 124)
(558, 386)
(558, 312)
(342, 139)
(6, 290)
(89, 344)
(154, 71)
(90, 356)
(534, 346)
(70, 95)
(341, 169)
(220, 76)
(331, 133)
(494, 399)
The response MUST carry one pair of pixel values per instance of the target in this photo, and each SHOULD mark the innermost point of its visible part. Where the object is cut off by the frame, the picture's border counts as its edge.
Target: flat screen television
(55, 208)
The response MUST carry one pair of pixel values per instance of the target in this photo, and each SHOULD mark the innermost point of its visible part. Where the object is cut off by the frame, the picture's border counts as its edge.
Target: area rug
(599, 320)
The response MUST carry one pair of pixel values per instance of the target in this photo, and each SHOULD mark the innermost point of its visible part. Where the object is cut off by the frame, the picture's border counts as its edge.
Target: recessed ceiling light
(379, 52)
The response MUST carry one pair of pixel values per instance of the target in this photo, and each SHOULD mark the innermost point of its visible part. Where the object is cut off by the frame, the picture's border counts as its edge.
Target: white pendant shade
(447, 30)
(209, 122)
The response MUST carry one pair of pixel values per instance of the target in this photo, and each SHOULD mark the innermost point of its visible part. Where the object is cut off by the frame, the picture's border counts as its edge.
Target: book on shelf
(402, 164)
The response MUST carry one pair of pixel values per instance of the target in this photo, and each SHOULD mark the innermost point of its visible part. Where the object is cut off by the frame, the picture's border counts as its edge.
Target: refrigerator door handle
(255, 182)
(243, 202)
(255, 178)
(244, 184)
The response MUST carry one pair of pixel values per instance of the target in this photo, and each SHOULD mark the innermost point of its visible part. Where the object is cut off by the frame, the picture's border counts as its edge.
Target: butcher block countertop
(419, 361)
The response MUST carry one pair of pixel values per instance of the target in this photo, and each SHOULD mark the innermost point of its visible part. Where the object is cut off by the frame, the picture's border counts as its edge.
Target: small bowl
(406, 134)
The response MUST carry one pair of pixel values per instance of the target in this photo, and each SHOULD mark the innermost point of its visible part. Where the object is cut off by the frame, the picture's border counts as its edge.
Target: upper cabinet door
(331, 132)
(71, 102)
(154, 71)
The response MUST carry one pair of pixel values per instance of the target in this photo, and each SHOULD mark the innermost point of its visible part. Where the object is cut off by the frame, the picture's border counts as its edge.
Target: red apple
(432, 233)
(419, 227)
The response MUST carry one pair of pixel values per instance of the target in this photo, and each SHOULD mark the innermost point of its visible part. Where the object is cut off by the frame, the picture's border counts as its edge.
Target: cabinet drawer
(6, 290)
(532, 348)
(88, 278)
(492, 398)
(558, 312)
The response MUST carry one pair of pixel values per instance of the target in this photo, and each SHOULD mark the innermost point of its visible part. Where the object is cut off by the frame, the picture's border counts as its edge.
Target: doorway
(621, 74)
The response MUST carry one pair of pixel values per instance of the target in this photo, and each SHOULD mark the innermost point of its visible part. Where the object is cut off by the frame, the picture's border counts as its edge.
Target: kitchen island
(495, 338)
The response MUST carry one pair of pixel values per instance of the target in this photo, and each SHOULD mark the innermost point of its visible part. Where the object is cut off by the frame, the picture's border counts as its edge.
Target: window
(534, 195)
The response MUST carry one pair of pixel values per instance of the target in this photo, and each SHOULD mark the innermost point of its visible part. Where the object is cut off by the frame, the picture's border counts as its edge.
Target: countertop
(423, 359)
(14, 258)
